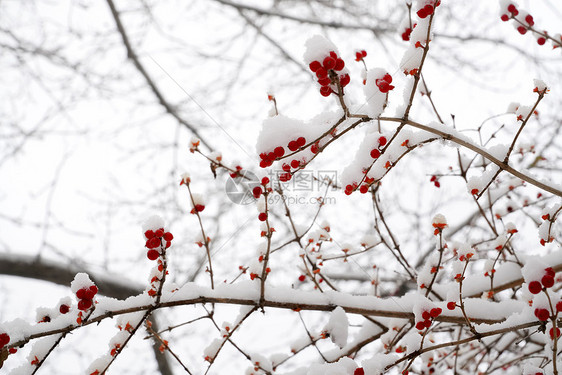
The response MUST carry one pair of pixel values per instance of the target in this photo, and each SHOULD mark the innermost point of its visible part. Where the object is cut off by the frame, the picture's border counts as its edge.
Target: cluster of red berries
(547, 281)
(237, 172)
(435, 181)
(360, 55)
(543, 314)
(522, 29)
(4, 340)
(384, 83)
(407, 32)
(428, 9)
(375, 154)
(427, 317)
(155, 239)
(86, 297)
(327, 68)
(267, 158)
(258, 191)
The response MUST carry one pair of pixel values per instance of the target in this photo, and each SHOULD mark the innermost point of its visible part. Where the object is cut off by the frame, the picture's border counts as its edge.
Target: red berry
(285, 177)
(559, 306)
(154, 242)
(301, 141)
(314, 148)
(542, 314)
(286, 167)
(421, 13)
(302, 278)
(329, 63)
(340, 64)
(512, 9)
(262, 216)
(427, 323)
(426, 315)
(550, 271)
(256, 192)
(451, 305)
(64, 309)
(198, 208)
(428, 9)
(406, 34)
(84, 304)
(321, 73)
(315, 65)
(359, 371)
(387, 77)
(89, 294)
(263, 164)
(529, 20)
(293, 146)
(168, 244)
(541, 41)
(384, 87)
(279, 151)
(94, 289)
(81, 293)
(522, 30)
(535, 287)
(420, 325)
(375, 153)
(12, 350)
(265, 181)
(149, 234)
(325, 81)
(159, 233)
(504, 17)
(4, 339)
(325, 91)
(344, 80)
(295, 163)
(152, 254)
(382, 141)
(437, 184)
(552, 332)
(168, 236)
(364, 189)
(435, 312)
(547, 281)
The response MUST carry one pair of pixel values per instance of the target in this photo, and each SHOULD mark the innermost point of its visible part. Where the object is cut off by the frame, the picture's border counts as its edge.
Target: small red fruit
(364, 189)
(541, 41)
(301, 141)
(340, 64)
(535, 287)
(84, 304)
(262, 216)
(451, 305)
(512, 9)
(359, 371)
(435, 312)
(375, 153)
(522, 30)
(426, 315)
(154, 242)
(542, 314)
(559, 306)
(149, 234)
(504, 17)
(168, 236)
(198, 208)
(302, 278)
(4, 339)
(325, 91)
(382, 141)
(321, 73)
(315, 65)
(420, 325)
(159, 233)
(152, 254)
(81, 293)
(421, 13)
(344, 80)
(547, 281)
(265, 181)
(64, 309)
(295, 164)
(256, 192)
(529, 20)
(329, 63)
(279, 151)
(552, 332)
